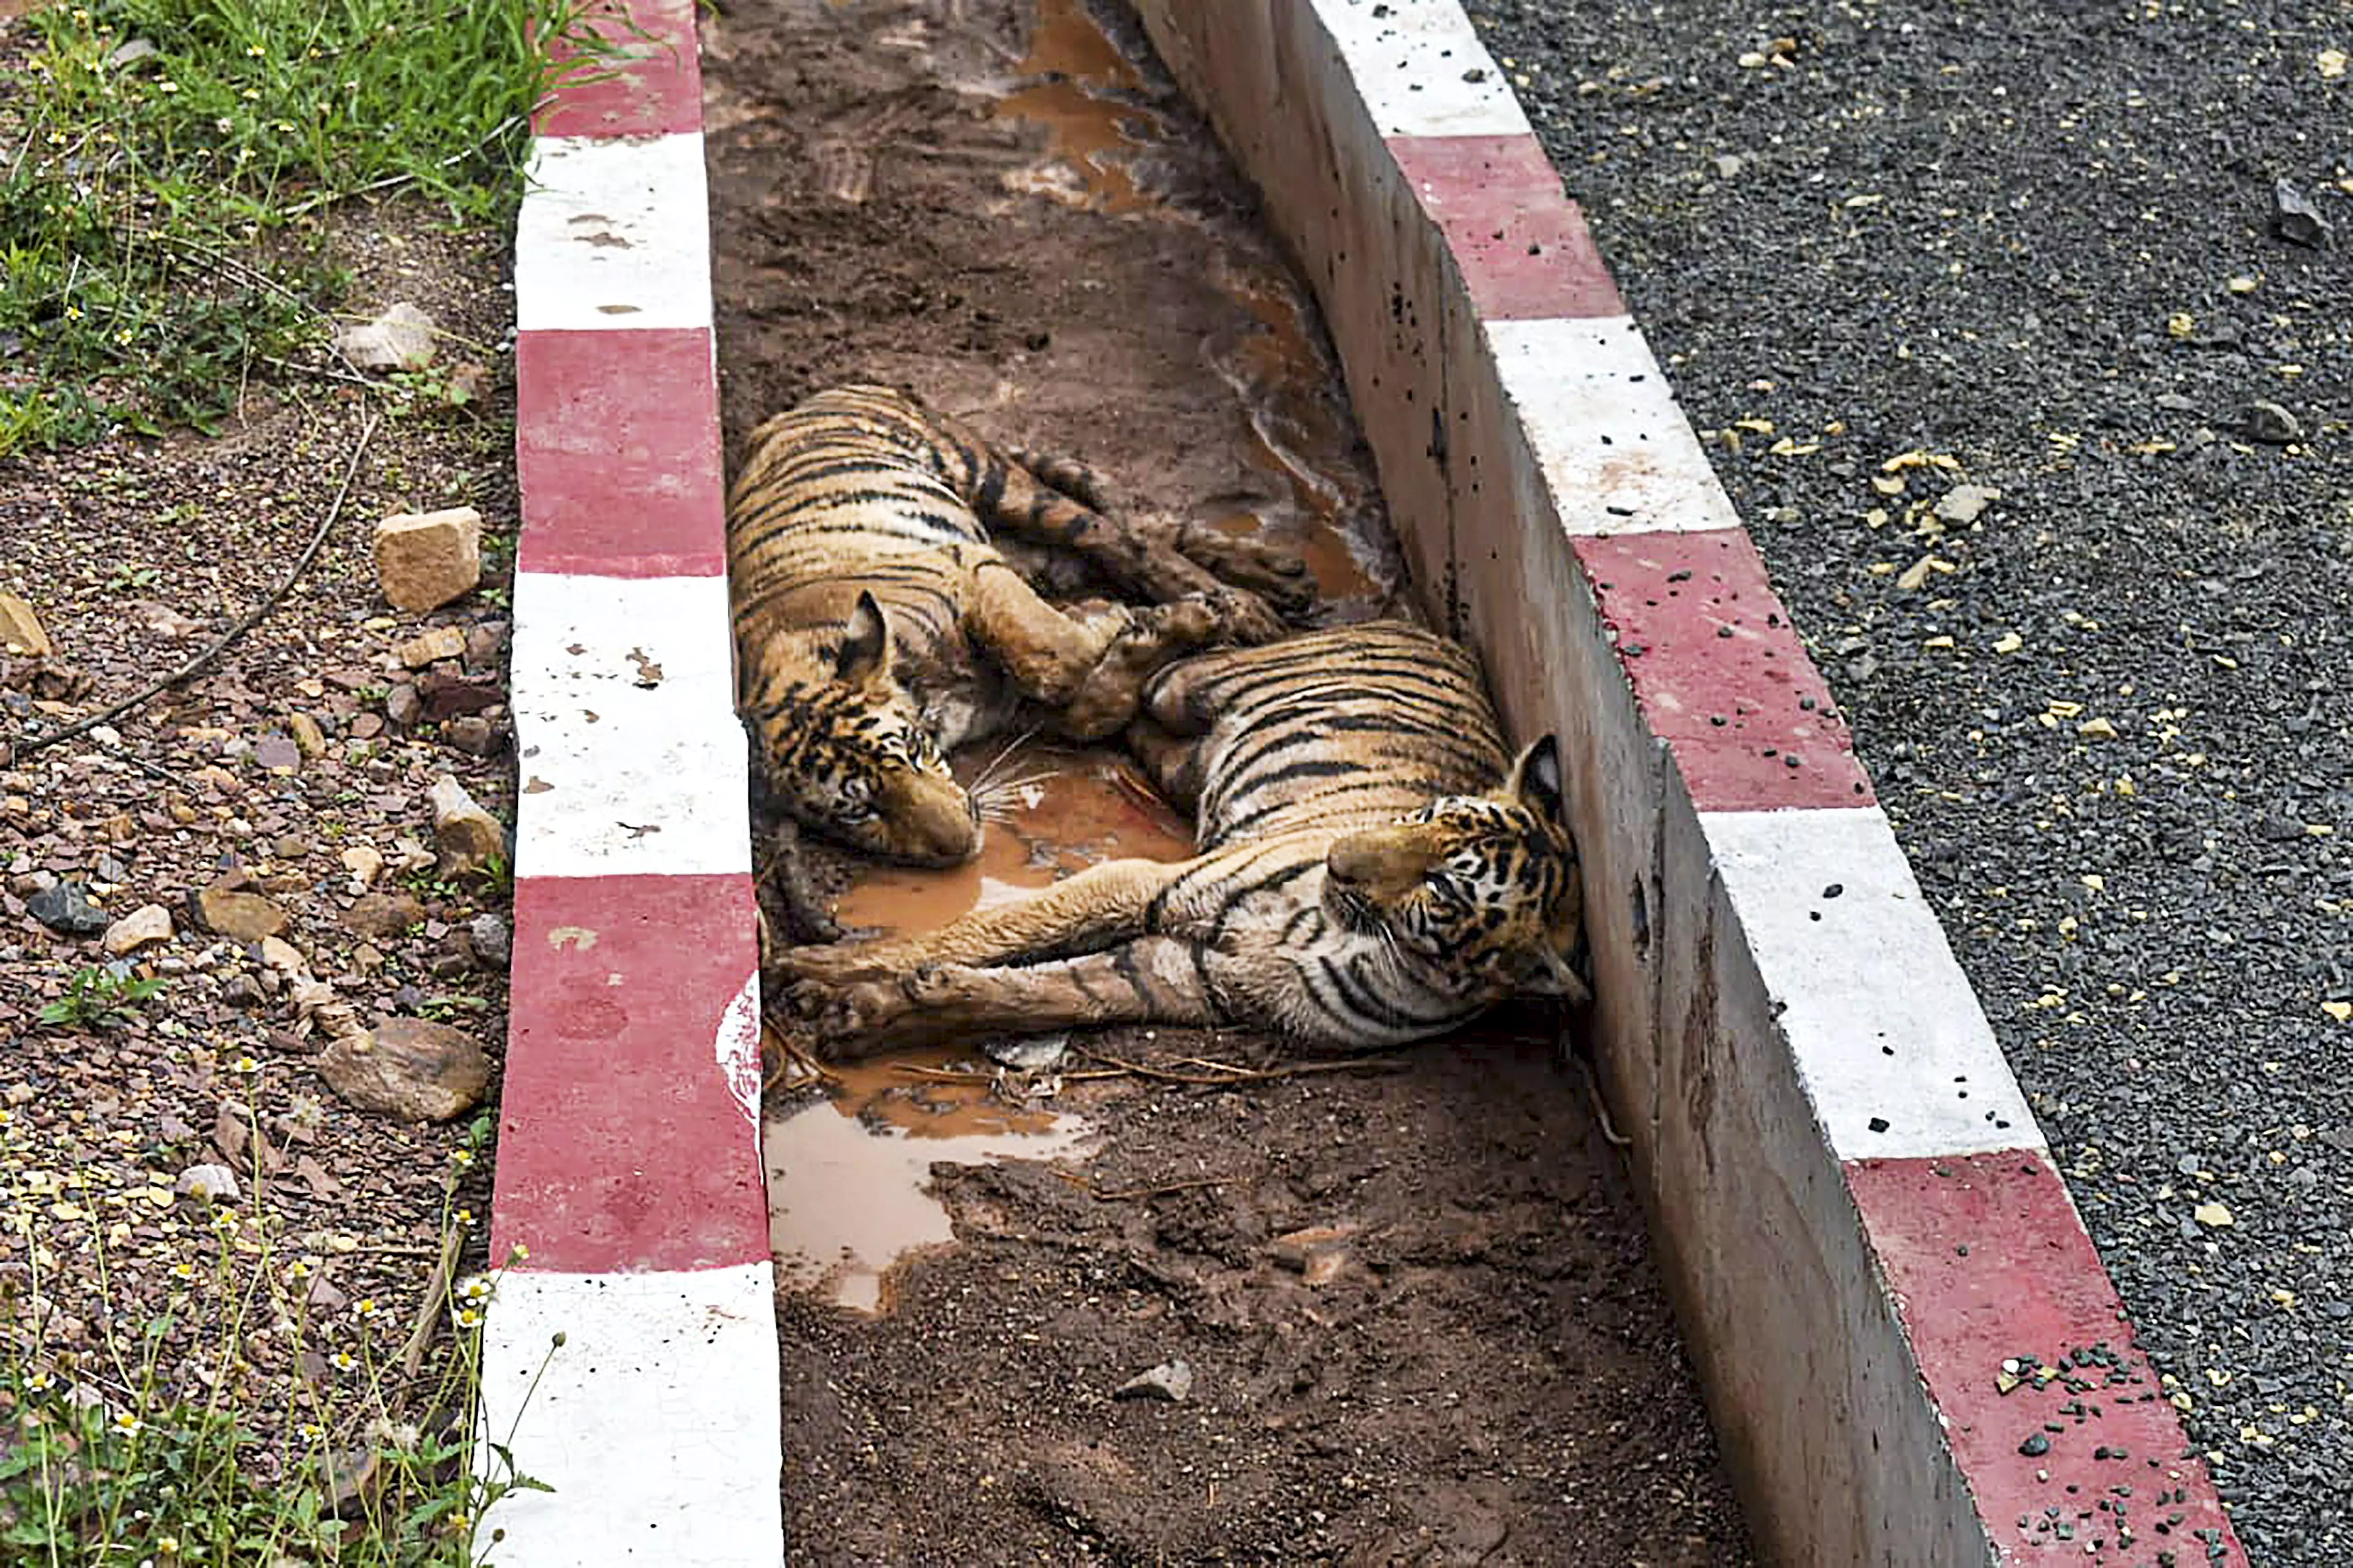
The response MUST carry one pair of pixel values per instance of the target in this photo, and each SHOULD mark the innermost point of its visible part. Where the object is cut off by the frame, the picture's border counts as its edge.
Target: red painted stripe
(621, 1143)
(1988, 1263)
(651, 86)
(1525, 251)
(1719, 671)
(616, 448)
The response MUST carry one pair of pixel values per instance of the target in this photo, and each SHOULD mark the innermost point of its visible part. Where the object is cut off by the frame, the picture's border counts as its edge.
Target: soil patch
(1414, 1300)
(278, 777)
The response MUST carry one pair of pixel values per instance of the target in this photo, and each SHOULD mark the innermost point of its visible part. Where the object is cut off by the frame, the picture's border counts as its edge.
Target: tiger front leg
(1152, 980)
(1102, 905)
(1088, 669)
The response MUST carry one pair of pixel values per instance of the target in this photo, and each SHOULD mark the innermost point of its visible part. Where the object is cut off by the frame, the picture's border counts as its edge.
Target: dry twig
(243, 623)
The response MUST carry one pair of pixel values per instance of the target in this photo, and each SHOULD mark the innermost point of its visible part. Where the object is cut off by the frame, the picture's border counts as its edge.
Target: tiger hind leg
(1276, 573)
(1152, 980)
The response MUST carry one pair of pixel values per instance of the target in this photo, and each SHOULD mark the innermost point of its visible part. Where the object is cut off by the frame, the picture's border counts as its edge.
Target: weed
(158, 246)
(101, 997)
(146, 1449)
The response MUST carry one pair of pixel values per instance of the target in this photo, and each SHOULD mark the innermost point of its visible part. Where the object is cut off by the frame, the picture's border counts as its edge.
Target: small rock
(21, 632)
(447, 696)
(277, 754)
(437, 643)
(1317, 1253)
(494, 943)
(383, 915)
(483, 641)
(1727, 165)
(309, 739)
(2213, 1217)
(1028, 1052)
(424, 560)
(280, 955)
(402, 706)
(472, 734)
(470, 838)
(241, 917)
(2035, 1445)
(1966, 503)
(2269, 423)
(65, 908)
(243, 992)
(142, 927)
(363, 863)
(368, 726)
(207, 1185)
(164, 621)
(1171, 1381)
(366, 959)
(399, 339)
(2295, 218)
(409, 1067)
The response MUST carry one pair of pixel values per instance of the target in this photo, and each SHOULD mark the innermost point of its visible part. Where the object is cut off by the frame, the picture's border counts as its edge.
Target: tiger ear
(865, 644)
(1535, 778)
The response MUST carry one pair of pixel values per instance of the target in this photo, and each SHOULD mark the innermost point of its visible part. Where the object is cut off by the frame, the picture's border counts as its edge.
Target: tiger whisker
(988, 772)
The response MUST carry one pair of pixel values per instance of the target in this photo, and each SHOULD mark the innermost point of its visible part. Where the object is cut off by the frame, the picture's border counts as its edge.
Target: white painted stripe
(1889, 1039)
(1603, 422)
(1420, 69)
(630, 755)
(658, 1421)
(613, 233)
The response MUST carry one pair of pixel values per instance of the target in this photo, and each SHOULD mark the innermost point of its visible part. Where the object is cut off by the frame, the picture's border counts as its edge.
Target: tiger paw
(846, 1021)
(1275, 572)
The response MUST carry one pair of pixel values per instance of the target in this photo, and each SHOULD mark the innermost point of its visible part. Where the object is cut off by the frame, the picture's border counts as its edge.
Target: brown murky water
(848, 1177)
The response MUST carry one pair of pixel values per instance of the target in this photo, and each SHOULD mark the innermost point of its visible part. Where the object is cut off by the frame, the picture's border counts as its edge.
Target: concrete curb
(629, 1356)
(1910, 1348)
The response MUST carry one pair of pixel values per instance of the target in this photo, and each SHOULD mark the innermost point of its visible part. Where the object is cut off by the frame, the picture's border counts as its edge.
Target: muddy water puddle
(848, 1175)
(1109, 154)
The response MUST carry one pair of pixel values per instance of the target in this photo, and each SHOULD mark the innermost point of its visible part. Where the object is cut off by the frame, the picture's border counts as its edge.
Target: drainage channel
(1417, 1306)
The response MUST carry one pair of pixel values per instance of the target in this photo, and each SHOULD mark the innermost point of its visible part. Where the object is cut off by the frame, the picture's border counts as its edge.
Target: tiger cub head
(1483, 886)
(845, 751)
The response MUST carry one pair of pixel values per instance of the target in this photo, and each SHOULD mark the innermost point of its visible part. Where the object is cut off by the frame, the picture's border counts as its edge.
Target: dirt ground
(1415, 1302)
(284, 767)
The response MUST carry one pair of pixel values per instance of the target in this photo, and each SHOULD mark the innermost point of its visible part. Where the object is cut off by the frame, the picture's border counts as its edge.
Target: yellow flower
(127, 1425)
(343, 1360)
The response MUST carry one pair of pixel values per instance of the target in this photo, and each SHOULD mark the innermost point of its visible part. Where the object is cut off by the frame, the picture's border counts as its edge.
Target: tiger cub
(1373, 870)
(877, 627)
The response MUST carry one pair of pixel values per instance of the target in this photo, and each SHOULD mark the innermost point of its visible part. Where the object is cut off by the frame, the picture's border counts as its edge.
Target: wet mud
(1415, 1295)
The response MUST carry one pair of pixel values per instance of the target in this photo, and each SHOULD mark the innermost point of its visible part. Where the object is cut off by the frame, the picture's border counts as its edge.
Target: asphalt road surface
(1897, 257)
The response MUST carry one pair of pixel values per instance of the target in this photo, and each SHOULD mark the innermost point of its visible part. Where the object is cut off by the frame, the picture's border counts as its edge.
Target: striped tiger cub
(877, 627)
(1374, 869)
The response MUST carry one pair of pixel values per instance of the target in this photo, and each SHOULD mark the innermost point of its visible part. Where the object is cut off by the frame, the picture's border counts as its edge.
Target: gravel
(2040, 250)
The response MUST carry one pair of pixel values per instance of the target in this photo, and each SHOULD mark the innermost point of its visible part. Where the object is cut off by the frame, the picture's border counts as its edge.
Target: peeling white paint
(613, 233)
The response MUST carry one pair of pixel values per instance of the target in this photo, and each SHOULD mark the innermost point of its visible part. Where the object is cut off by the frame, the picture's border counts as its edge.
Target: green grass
(109, 1459)
(164, 166)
